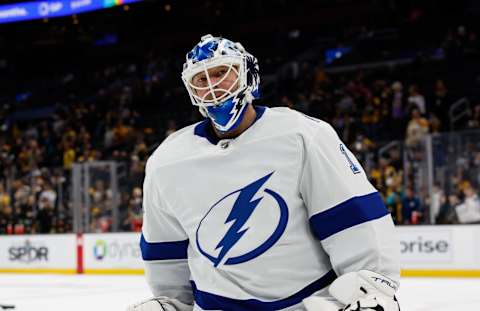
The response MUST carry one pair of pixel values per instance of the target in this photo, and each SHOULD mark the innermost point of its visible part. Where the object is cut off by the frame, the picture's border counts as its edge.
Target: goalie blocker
(358, 291)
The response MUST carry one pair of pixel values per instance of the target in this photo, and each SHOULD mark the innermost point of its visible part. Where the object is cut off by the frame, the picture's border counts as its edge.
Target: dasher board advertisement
(112, 251)
(55, 253)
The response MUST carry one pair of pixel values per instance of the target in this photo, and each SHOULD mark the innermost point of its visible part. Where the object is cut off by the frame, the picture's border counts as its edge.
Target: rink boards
(443, 251)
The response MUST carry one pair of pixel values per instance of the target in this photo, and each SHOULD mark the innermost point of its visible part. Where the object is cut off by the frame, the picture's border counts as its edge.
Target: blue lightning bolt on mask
(227, 116)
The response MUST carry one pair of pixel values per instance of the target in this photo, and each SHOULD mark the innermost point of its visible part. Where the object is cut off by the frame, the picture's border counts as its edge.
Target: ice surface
(112, 293)
(71, 292)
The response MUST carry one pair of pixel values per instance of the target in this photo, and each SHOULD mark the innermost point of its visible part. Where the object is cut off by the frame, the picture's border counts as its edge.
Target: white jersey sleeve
(163, 245)
(346, 212)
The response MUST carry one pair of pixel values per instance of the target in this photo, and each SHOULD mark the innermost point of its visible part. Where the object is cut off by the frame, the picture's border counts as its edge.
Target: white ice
(114, 293)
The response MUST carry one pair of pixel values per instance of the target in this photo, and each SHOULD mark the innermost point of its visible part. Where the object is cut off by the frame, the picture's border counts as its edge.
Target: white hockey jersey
(261, 221)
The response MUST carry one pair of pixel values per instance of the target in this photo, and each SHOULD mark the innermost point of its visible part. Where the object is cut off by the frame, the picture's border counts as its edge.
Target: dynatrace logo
(115, 250)
(243, 224)
(100, 250)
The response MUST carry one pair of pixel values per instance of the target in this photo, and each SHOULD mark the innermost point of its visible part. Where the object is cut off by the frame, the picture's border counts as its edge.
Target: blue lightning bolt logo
(237, 105)
(242, 210)
(201, 52)
(352, 165)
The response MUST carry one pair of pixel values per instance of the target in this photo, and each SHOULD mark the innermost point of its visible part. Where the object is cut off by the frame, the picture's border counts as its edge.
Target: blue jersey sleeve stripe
(163, 250)
(209, 301)
(347, 214)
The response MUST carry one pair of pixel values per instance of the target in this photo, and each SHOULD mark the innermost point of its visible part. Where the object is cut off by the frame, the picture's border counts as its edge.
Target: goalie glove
(160, 304)
(358, 291)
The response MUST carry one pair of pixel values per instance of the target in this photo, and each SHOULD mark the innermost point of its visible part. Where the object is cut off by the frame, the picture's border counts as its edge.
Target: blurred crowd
(37, 155)
(399, 107)
(107, 115)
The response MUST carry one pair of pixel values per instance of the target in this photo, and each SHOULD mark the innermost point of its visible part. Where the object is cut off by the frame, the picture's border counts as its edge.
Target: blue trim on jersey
(163, 250)
(347, 214)
(204, 129)
(209, 301)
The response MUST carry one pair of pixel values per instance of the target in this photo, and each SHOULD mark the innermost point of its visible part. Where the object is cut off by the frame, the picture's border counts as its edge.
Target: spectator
(397, 110)
(417, 128)
(436, 202)
(5, 210)
(416, 100)
(121, 134)
(469, 210)
(45, 217)
(447, 213)
(6, 220)
(171, 127)
(474, 122)
(411, 208)
(393, 201)
(440, 103)
(5, 199)
(68, 155)
(47, 196)
(135, 210)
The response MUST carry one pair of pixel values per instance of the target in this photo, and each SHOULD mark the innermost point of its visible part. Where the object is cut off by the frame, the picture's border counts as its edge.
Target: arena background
(88, 89)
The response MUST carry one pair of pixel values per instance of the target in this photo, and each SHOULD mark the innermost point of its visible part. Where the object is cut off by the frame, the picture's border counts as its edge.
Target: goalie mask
(221, 79)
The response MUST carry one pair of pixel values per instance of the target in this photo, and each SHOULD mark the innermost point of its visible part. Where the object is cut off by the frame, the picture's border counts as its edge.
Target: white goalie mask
(208, 65)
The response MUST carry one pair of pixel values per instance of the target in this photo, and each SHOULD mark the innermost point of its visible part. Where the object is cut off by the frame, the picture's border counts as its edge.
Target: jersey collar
(204, 129)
